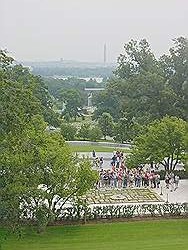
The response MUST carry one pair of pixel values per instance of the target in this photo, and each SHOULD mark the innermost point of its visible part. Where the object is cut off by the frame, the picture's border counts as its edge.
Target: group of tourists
(172, 181)
(119, 176)
(123, 178)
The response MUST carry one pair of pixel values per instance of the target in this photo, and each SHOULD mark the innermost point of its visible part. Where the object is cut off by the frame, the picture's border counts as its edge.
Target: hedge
(80, 212)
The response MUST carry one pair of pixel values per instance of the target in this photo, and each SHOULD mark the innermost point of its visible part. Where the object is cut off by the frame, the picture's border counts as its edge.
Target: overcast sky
(77, 29)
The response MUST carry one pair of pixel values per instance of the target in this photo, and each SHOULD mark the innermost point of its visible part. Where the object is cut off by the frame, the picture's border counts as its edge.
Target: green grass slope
(143, 235)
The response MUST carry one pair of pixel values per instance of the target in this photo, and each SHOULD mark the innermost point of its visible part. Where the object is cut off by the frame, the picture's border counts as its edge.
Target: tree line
(38, 172)
(73, 71)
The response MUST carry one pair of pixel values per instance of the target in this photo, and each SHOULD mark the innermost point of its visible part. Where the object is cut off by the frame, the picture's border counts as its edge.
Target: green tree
(125, 130)
(73, 101)
(136, 59)
(175, 67)
(84, 131)
(147, 95)
(39, 175)
(38, 172)
(107, 101)
(95, 133)
(145, 88)
(164, 143)
(186, 155)
(106, 124)
(68, 131)
(55, 86)
(17, 80)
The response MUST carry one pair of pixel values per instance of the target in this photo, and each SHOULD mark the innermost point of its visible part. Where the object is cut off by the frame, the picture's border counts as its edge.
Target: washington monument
(105, 53)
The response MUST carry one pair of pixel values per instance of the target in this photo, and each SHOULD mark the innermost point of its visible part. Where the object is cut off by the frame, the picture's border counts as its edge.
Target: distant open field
(90, 148)
(141, 235)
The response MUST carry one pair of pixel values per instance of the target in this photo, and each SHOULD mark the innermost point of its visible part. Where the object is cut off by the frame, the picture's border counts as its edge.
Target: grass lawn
(143, 235)
(90, 148)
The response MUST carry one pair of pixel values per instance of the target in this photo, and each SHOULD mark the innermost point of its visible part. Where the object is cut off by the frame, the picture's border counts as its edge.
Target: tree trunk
(171, 163)
(176, 162)
(165, 165)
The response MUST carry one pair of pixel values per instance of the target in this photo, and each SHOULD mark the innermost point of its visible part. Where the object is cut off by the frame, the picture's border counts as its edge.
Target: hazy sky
(78, 29)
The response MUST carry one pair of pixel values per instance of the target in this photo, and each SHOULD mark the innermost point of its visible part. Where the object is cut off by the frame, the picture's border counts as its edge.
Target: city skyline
(45, 30)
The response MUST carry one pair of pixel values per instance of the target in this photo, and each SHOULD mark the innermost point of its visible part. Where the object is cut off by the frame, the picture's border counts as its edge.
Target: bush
(95, 134)
(68, 131)
(84, 131)
(123, 211)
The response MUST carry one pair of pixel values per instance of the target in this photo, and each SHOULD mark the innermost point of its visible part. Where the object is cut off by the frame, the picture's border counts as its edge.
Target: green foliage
(107, 101)
(145, 88)
(91, 132)
(95, 133)
(68, 131)
(42, 218)
(68, 70)
(164, 142)
(124, 211)
(39, 173)
(5, 60)
(175, 67)
(37, 168)
(84, 131)
(185, 160)
(17, 105)
(67, 117)
(106, 124)
(86, 177)
(136, 59)
(23, 92)
(73, 102)
(125, 130)
(56, 86)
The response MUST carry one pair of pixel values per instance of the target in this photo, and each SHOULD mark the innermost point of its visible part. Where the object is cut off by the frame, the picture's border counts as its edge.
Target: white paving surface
(180, 195)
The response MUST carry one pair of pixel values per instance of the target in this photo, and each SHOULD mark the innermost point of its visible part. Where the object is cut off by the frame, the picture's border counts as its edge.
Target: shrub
(84, 131)
(124, 211)
(68, 131)
(95, 134)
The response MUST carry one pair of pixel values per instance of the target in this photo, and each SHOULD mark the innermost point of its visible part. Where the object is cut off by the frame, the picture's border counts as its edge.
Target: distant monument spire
(105, 53)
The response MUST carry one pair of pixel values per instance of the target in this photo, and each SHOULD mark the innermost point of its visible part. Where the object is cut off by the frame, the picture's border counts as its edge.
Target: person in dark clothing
(94, 154)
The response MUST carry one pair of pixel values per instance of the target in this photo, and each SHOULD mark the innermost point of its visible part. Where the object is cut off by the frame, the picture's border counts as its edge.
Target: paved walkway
(107, 156)
(179, 195)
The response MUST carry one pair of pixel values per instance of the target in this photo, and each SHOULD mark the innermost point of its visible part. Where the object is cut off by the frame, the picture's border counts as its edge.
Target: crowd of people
(119, 176)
